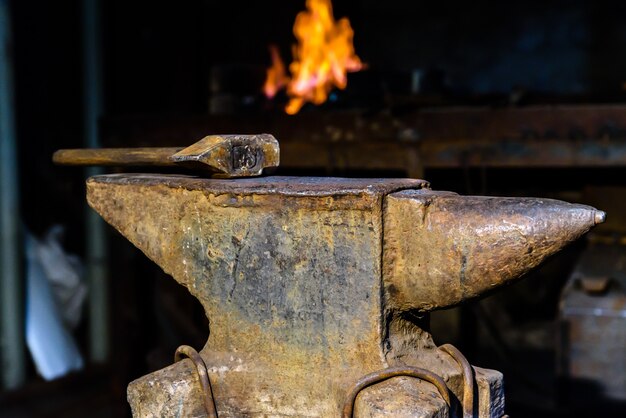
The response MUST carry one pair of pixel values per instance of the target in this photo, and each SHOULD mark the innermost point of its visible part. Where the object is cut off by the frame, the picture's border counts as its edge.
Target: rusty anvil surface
(311, 283)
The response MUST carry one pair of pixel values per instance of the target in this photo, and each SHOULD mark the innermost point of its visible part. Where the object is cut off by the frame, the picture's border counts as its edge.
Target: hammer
(223, 156)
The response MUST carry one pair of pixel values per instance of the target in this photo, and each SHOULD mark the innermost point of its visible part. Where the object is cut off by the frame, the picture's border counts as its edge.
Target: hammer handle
(116, 156)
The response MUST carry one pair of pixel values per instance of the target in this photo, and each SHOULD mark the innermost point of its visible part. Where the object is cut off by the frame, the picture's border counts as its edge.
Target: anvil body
(311, 283)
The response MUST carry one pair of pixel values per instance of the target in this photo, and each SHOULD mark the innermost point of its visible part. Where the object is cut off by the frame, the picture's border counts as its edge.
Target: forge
(318, 290)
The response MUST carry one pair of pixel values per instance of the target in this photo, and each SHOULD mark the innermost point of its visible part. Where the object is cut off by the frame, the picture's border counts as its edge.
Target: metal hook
(468, 379)
(388, 373)
(203, 374)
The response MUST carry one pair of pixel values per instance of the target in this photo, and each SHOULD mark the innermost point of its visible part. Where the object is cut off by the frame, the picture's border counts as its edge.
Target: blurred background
(516, 98)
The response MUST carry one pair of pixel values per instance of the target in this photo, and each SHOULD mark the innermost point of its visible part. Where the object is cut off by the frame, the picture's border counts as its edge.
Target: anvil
(310, 284)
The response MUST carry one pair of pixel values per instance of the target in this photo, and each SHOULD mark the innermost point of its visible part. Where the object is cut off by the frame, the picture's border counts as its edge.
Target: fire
(276, 76)
(323, 56)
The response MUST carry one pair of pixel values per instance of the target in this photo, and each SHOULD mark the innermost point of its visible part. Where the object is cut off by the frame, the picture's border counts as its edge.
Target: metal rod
(382, 375)
(96, 244)
(203, 376)
(11, 295)
(468, 379)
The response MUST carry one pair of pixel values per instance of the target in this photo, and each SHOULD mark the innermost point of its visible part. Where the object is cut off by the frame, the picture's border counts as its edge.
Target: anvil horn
(442, 249)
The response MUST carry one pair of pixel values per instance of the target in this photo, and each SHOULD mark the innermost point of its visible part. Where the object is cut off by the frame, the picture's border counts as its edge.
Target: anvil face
(305, 280)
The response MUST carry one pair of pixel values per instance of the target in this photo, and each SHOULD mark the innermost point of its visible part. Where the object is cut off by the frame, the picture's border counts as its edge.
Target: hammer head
(231, 155)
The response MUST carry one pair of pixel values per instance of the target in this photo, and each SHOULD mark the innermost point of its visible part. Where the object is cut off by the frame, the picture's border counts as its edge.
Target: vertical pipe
(13, 368)
(96, 245)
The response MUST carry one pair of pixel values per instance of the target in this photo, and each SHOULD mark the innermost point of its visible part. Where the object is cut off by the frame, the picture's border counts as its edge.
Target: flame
(276, 76)
(323, 56)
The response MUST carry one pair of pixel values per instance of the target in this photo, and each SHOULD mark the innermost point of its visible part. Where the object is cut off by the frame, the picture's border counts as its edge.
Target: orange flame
(276, 76)
(323, 56)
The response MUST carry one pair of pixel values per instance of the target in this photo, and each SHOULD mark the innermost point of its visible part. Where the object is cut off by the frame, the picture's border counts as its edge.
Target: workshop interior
(312, 208)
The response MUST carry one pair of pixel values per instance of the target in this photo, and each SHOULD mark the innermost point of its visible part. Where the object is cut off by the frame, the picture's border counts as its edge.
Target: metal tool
(313, 284)
(224, 156)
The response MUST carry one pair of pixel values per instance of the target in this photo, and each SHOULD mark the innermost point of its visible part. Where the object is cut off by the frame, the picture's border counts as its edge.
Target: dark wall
(482, 46)
(48, 95)
(160, 55)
